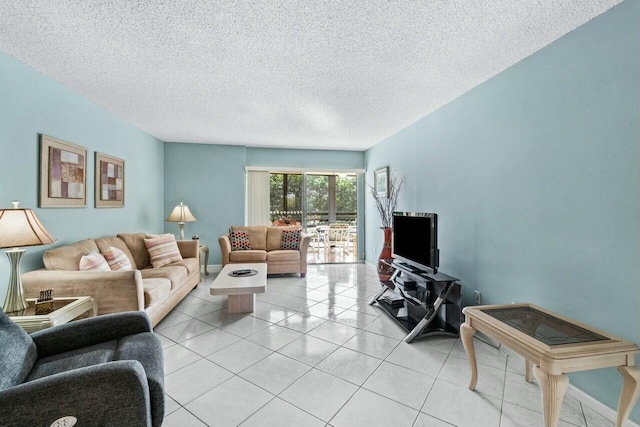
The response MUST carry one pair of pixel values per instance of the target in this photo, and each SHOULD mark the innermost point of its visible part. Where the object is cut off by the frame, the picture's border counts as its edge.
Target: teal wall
(534, 175)
(32, 104)
(210, 179)
(316, 159)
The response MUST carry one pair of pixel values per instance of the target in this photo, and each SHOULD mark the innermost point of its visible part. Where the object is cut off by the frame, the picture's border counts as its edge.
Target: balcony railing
(315, 218)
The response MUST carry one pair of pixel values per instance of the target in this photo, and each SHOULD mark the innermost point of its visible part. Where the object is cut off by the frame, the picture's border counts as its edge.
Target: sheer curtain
(258, 203)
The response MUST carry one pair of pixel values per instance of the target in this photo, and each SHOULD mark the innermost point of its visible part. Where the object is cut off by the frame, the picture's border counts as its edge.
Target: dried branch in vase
(386, 206)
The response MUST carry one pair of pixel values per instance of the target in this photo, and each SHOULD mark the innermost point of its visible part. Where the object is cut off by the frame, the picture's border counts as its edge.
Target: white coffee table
(241, 289)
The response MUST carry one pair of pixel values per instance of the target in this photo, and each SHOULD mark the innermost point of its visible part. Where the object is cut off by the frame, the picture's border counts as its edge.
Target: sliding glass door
(324, 204)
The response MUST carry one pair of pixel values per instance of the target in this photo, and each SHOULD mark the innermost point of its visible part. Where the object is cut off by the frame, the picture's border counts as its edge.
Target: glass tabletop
(31, 310)
(544, 327)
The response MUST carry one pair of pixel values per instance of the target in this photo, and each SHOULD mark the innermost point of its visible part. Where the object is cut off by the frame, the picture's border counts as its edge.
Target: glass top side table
(65, 310)
(552, 346)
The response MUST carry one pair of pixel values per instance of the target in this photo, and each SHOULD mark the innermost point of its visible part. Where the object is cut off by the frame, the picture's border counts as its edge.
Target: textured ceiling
(342, 74)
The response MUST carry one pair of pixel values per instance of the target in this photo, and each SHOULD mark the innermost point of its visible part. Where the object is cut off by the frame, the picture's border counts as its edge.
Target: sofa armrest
(304, 248)
(91, 331)
(225, 248)
(189, 248)
(304, 245)
(114, 291)
(114, 393)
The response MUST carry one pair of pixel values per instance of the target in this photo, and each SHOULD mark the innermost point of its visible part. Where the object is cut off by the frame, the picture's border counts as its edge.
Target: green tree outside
(317, 197)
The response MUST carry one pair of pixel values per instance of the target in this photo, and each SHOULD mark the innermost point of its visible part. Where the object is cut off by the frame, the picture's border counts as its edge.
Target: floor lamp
(181, 214)
(19, 227)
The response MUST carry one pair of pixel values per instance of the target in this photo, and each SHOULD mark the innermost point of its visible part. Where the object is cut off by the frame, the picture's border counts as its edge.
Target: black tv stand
(411, 268)
(423, 303)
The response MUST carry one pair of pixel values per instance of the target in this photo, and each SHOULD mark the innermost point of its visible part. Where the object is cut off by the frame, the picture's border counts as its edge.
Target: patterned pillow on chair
(290, 240)
(239, 240)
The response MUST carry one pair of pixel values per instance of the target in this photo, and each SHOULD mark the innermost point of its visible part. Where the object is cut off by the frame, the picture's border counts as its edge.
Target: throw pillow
(163, 250)
(153, 236)
(239, 240)
(116, 259)
(290, 240)
(93, 262)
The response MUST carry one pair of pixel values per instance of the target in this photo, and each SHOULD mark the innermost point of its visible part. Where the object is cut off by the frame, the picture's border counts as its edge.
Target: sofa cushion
(67, 257)
(163, 250)
(283, 255)
(176, 274)
(191, 264)
(135, 243)
(74, 359)
(257, 235)
(117, 259)
(105, 243)
(93, 262)
(290, 240)
(155, 289)
(248, 256)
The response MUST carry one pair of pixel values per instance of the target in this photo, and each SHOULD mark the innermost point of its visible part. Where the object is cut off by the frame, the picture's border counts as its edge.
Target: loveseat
(265, 246)
(153, 290)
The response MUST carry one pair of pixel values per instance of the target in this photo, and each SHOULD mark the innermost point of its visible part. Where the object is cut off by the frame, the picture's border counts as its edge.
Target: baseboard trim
(212, 268)
(596, 405)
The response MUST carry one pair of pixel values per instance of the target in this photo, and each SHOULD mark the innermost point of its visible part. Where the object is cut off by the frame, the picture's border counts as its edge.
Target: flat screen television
(415, 239)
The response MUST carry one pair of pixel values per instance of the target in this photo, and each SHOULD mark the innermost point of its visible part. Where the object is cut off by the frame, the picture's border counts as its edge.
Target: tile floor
(314, 353)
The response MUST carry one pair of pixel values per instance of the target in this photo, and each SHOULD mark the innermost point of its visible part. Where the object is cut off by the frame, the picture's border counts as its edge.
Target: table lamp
(19, 227)
(181, 214)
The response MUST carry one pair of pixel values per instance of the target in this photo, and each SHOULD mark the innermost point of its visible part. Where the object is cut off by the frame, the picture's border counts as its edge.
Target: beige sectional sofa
(155, 290)
(265, 247)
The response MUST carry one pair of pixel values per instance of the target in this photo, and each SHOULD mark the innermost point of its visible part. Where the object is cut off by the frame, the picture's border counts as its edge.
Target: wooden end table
(240, 289)
(65, 310)
(553, 345)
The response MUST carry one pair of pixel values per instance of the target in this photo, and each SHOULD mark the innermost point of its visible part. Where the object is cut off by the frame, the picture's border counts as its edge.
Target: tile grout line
(360, 329)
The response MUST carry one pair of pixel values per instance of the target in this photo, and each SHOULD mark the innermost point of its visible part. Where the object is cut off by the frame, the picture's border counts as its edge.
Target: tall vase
(384, 260)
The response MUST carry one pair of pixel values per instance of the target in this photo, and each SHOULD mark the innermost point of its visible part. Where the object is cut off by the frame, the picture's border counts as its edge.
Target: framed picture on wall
(381, 181)
(109, 191)
(63, 180)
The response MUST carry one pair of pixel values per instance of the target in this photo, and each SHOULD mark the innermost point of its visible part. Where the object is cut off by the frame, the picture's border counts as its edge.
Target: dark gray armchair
(104, 371)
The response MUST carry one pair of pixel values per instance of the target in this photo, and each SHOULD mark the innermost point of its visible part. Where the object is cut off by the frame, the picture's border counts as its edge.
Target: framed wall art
(63, 180)
(381, 181)
(109, 181)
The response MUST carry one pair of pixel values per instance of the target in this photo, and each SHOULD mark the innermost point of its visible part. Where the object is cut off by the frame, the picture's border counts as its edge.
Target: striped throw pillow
(94, 262)
(239, 240)
(163, 250)
(290, 240)
(116, 259)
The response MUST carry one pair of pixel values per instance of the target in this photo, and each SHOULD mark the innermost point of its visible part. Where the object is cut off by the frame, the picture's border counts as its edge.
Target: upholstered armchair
(103, 371)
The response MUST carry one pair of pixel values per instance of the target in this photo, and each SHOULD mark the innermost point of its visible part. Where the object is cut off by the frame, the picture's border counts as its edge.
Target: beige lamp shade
(181, 213)
(21, 227)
